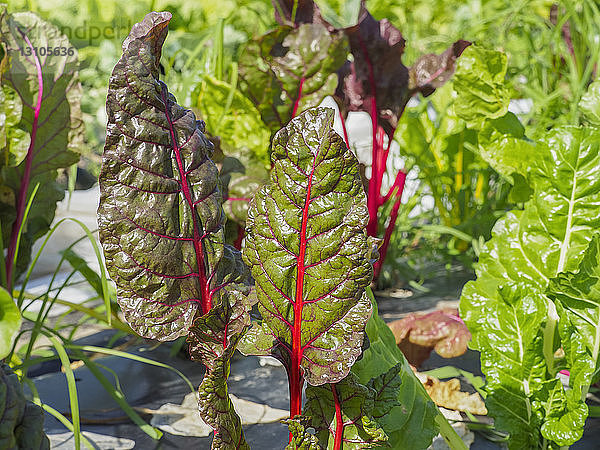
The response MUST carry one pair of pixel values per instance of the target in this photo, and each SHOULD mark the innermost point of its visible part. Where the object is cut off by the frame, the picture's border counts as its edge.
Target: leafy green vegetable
(310, 256)
(590, 104)
(161, 225)
(21, 422)
(341, 413)
(41, 133)
(340, 13)
(480, 80)
(411, 422)
(289, 70)
(528, 248)
(577, 298)
(10, 322)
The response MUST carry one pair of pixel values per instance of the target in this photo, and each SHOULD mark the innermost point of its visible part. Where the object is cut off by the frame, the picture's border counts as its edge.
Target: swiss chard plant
(349, 55)
(40, 131)
(162, 228)
(533, 310)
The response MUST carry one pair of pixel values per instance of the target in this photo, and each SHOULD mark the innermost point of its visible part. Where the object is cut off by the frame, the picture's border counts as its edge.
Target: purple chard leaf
(161, 225)
(308, 251)
(160, 214)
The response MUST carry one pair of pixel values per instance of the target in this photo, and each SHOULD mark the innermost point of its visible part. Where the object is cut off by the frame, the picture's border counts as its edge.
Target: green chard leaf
(309, 254)
(577, 298)
(10, 322)
(301, 438)
(291, 69)
(479, 79)
(590, 103)
(345, 407)
(402, 407)
(506, 308)
(42, 131)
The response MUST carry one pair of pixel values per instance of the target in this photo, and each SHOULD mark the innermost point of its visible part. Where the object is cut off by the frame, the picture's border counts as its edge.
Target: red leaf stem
(22, 199)
(346, 140)
(297, 101)
(295, 377)
(339, 423)
(206, 301)
(400, 178)
(240, 237)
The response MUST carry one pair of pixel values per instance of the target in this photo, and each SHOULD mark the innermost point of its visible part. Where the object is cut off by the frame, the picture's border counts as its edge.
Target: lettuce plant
(535, 297)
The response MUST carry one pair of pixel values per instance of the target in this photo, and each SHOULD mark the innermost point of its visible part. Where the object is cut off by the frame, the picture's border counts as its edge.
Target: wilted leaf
(443, 331)
(448, 395)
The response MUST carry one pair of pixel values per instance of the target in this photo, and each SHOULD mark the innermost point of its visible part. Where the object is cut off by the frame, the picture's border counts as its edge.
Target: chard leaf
(160, 215)
(42, 132)
(480, 81)
(577, 298)
(10, 322)
(528, 248)
(301, 438)
(377, 48)
(345, 407)
(590, 103)
(291, 69)
(309, 254)
(410, 423)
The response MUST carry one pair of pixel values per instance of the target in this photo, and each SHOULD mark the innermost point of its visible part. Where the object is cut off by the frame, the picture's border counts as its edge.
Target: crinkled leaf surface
(528, 248)
(301, 438)
(577, 295)
(160, 215)
(590, 103)
(410, 423)
(21, 422)
(44, 129)
(432, 71)
(377, 47)
(10, 322)
(309, 253)
(349, 404)
(291, 69)
(480, 81)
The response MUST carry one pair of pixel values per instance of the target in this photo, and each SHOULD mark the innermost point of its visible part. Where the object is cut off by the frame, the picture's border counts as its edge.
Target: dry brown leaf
(448, 395)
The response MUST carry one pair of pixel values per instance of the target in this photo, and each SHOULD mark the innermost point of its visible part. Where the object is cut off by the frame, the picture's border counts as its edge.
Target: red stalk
(346, 140)
(374, 193)
(296, 381)
(23, 188)
(240, 237)
(399, 184)
(339, 423)
(297, 101)
(206, 301)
